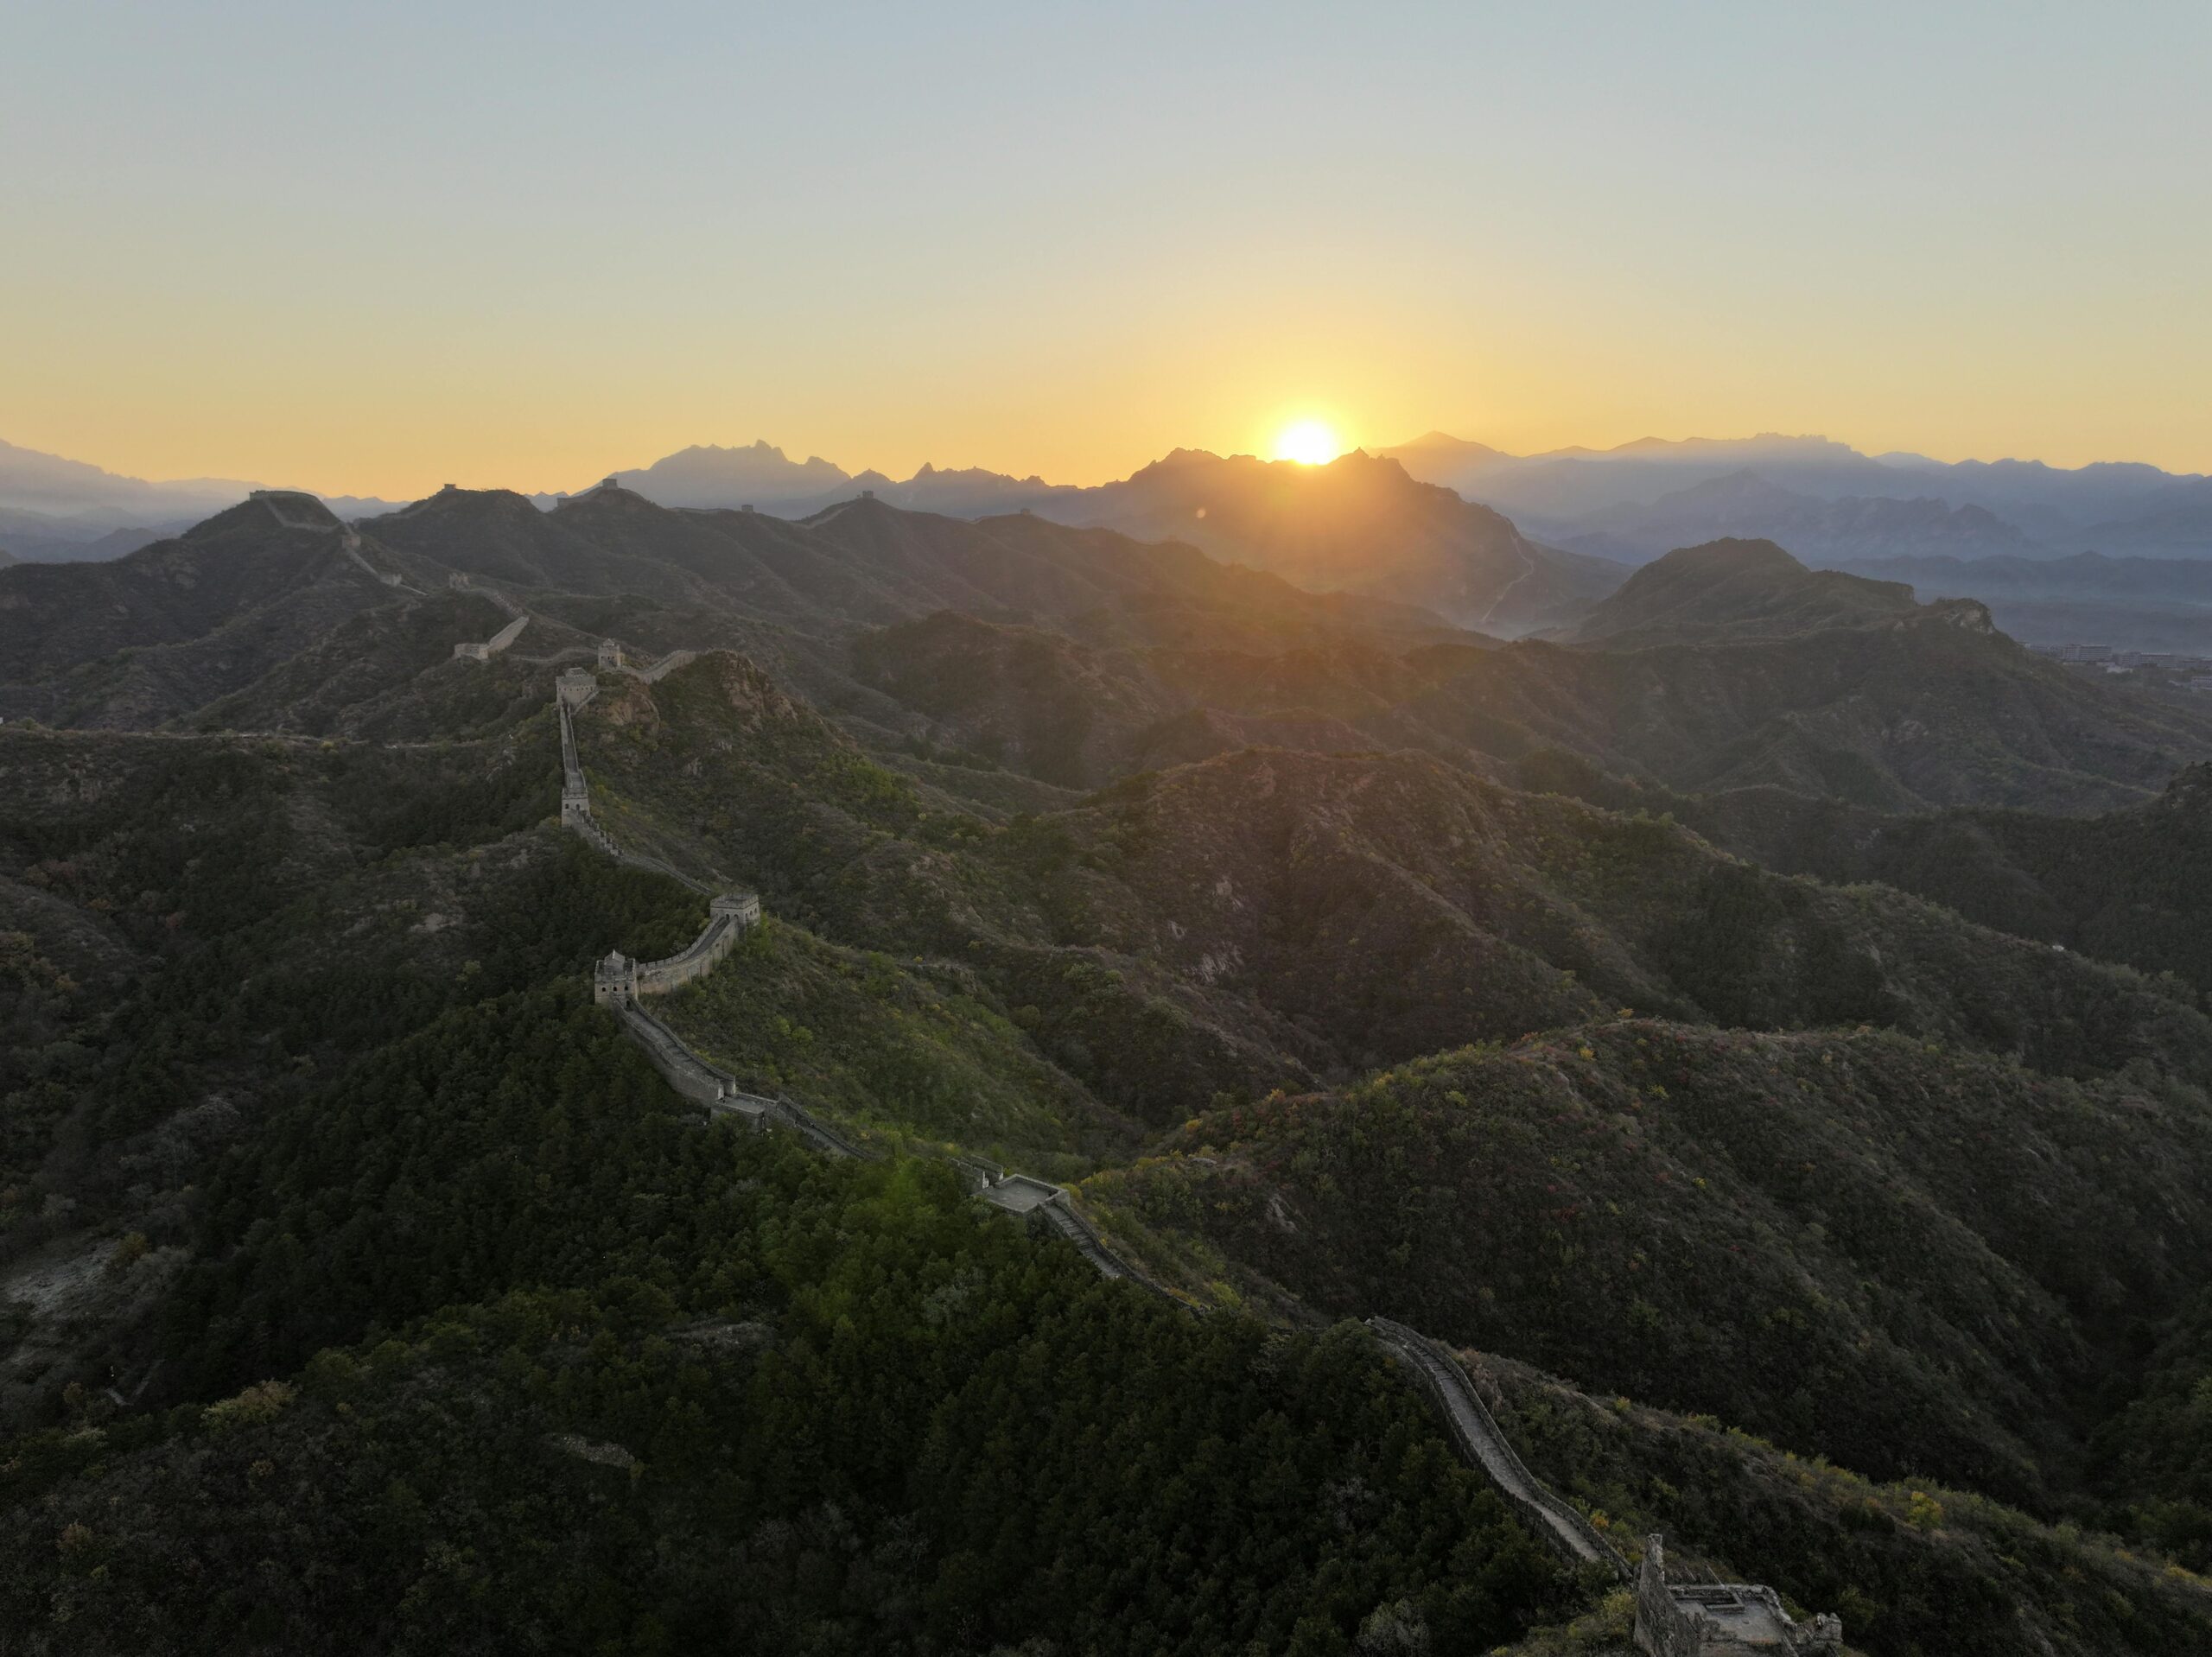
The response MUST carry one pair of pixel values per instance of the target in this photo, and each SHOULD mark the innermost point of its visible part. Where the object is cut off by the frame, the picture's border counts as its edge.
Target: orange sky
(378, 248)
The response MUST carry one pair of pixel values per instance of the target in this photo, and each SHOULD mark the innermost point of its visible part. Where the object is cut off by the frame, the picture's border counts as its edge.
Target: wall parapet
(717, 1089)
(1671, 1620)
(1721, 1619)
(493, 645)
(1556, 1519)
(572, 690)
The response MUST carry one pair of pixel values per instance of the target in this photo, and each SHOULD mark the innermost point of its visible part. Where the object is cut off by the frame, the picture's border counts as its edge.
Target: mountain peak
(1737, 587)
(1729, 556)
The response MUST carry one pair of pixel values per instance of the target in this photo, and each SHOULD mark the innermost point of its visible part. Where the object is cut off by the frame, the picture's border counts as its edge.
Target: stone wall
(1669, 1621)
(728, 917)
(1662, 1628)
(1438, 1373)
(491, 646)
(619, 979)
(1721, 1619)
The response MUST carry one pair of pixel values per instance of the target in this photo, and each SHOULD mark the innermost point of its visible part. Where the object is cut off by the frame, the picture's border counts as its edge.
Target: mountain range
(1822, 497)
(1764, 1014)
(1652, 494)
(1530, 543)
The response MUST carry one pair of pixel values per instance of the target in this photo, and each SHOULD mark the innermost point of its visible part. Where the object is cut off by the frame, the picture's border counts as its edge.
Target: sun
(1309, 442)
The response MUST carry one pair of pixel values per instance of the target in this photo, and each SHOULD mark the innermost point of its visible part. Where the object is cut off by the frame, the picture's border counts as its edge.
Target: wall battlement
(493, 645)
(1721, 1619)
(1672, 1620)
(618, 979)
(612, 658)
(1481, 1441)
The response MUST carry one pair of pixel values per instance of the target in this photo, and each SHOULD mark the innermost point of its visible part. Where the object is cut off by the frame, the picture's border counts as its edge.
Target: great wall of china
(1672, 1619)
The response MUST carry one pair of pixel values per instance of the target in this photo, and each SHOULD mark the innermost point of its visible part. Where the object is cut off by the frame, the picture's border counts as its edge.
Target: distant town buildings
(2196, 670)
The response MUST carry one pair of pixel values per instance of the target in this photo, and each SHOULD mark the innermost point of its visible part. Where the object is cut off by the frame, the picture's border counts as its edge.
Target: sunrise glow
(1309, 442)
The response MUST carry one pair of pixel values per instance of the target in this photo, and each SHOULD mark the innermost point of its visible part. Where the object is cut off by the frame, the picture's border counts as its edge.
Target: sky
(372, 248)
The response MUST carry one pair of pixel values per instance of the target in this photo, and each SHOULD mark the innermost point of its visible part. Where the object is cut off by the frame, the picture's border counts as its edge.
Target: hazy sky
(375, 247)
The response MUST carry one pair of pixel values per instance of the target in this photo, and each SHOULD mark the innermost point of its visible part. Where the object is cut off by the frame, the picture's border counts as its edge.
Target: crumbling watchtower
(1721, 1619)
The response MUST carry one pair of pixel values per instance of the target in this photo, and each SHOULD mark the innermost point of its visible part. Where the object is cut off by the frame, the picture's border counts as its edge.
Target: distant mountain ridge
(1654, 493)
(60, 510)
(1360, 523)
(1744, 504)
(1605, 502)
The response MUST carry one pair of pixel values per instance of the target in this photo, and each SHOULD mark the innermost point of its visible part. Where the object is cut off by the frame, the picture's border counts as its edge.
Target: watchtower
(610, 653)
(743, 907)
(614, 980)
(1721, 1619)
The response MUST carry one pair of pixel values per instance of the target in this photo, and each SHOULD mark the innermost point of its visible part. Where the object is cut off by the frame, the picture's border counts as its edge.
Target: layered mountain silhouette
(1739, 589)
(1077, 655)
(138, 639)
(1358, 524)
(1670, 1002)
(1838, 532)
(63, 509)
(1826, 500)
(1726, 667)
(170, 629)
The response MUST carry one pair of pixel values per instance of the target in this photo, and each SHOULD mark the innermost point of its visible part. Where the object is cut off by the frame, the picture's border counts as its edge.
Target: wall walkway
(295, 511)
(1476, 1433)
(1432, 1367)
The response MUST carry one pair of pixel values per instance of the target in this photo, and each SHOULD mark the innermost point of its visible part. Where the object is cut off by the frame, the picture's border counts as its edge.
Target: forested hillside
(363, 1284)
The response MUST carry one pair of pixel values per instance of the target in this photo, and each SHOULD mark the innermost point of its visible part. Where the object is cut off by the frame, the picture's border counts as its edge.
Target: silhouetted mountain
(1733, 667)
(2084, 575)
(606, 561)
(1566, 486)
(1897, 717)
(1439, 457)
(1820, 531)
(970, 492)
(2055, 505)
(166, 629)
(1597, 501)
(40, 537)
(73, 488)
(1742, 590)
(858, 563)
(2181, 526)
(70, 505)
(1359, 524)
(705, 475)
(2131, 604)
